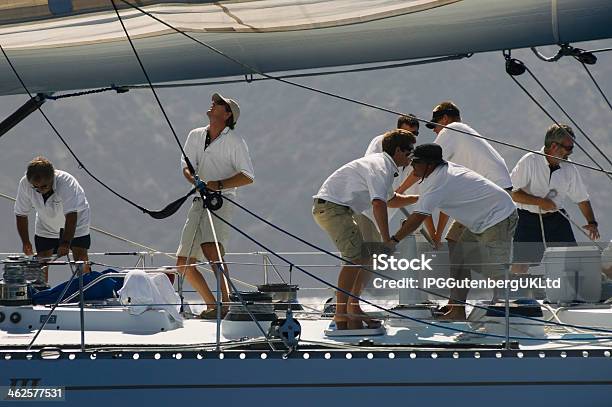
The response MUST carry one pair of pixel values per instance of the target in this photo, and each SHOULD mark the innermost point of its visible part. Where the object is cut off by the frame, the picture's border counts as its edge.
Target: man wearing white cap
(221, 159)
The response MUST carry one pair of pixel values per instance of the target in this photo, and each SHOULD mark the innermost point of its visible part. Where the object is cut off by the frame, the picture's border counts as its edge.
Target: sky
(296, 139)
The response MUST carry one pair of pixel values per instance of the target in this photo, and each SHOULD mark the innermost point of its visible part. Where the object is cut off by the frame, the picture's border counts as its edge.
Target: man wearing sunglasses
(62, 212)
(541, 185)
(366, 182)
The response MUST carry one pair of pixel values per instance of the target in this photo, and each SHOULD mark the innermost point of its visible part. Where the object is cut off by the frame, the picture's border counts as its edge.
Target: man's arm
(410, 180)
(234, 181)
(22, 229)
(69, 229)
(589, 215)
(410, 225)
(442, 221)
(523, 197)
(188, 175)
(379, 208)
(399, 201)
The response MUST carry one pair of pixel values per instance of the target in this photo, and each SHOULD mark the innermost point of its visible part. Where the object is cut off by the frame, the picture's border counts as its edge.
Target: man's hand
(437, 241)
(199, 184)
(63, 249)
(390, 246)
(593, 231)
(547, 204)
(27, 249)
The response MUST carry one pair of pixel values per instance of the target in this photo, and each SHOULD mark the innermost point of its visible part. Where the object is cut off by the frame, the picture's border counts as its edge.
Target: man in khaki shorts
(479, 156)
(338, 207)
(485, 210)
(221, 159)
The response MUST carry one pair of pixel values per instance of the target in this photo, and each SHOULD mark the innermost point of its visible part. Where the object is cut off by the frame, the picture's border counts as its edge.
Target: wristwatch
(395, 239)
(593, 222)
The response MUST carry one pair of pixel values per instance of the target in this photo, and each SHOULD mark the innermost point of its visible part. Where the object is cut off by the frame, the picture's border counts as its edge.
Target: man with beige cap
(221, 160)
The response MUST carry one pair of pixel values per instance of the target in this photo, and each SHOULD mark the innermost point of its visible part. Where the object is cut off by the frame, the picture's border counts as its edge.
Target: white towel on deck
(152, 290)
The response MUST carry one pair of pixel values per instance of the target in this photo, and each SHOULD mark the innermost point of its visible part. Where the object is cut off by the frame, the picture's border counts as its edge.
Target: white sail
(89, 49)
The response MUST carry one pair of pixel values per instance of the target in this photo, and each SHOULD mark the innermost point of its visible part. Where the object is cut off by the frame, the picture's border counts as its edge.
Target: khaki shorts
(455, 231)
(490, 252)
(197, 230)
(354, 235)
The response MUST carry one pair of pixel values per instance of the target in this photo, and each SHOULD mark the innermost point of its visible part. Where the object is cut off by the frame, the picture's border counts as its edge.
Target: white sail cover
(76, 44)
(221, 17)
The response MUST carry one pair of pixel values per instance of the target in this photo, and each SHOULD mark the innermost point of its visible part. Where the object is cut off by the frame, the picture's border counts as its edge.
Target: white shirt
(466, 196)
(374, 147)
(225, 157)
(359, 182)
(474, 153)
(532, 175)
(67, 197)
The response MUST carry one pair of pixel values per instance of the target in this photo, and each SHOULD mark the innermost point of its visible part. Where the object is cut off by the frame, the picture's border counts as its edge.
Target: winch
(19, 274)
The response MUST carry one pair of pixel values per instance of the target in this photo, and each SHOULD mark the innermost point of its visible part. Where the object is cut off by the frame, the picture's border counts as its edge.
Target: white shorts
(197, 229)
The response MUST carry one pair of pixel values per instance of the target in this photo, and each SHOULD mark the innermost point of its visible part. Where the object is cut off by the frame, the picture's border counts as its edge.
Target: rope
(118, 89)
(371, 271)
(340, 97)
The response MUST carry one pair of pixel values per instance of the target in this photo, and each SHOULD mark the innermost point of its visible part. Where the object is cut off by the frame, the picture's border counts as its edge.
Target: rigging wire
(586, 68)
(144, 71)
(340, 97)
(572, 120)
(308, 74)
(57, 133)
(514, 68)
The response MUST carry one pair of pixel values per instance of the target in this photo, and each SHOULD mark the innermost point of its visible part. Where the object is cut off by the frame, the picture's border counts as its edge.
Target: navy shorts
(45, 243)
(528, 245)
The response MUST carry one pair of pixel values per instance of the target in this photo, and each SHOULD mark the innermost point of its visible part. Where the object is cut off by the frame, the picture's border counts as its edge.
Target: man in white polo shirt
(541, 185)
(221, 159)
(485, 209)
(405, 122)
(478, 155)
(343, 197)
(62, 212)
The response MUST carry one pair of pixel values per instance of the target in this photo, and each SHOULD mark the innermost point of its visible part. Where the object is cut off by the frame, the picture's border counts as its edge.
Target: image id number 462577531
(33, 393)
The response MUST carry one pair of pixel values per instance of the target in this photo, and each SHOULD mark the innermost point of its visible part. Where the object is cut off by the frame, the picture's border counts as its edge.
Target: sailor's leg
(196, 280)
(45, 254)
(211, 254)
(80, 254)
(455, 309)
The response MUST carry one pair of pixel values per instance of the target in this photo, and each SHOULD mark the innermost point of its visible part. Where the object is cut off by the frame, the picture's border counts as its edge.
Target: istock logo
(382, 262)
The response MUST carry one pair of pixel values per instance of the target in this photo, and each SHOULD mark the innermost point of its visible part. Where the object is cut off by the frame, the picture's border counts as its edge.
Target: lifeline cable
(377, 273)
(411, 318)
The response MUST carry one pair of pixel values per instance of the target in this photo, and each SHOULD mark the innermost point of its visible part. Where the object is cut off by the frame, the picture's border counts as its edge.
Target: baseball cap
(440, 110)
(428, 153)
(233, 105)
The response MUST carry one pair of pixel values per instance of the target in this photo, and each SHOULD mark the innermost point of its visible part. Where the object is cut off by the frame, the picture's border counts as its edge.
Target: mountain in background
(296, 139)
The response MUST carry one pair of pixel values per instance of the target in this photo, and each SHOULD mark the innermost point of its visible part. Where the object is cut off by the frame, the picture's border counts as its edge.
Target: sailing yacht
(274, 344)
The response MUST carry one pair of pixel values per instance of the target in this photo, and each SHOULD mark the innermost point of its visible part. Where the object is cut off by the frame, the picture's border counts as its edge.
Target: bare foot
(454, 313)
